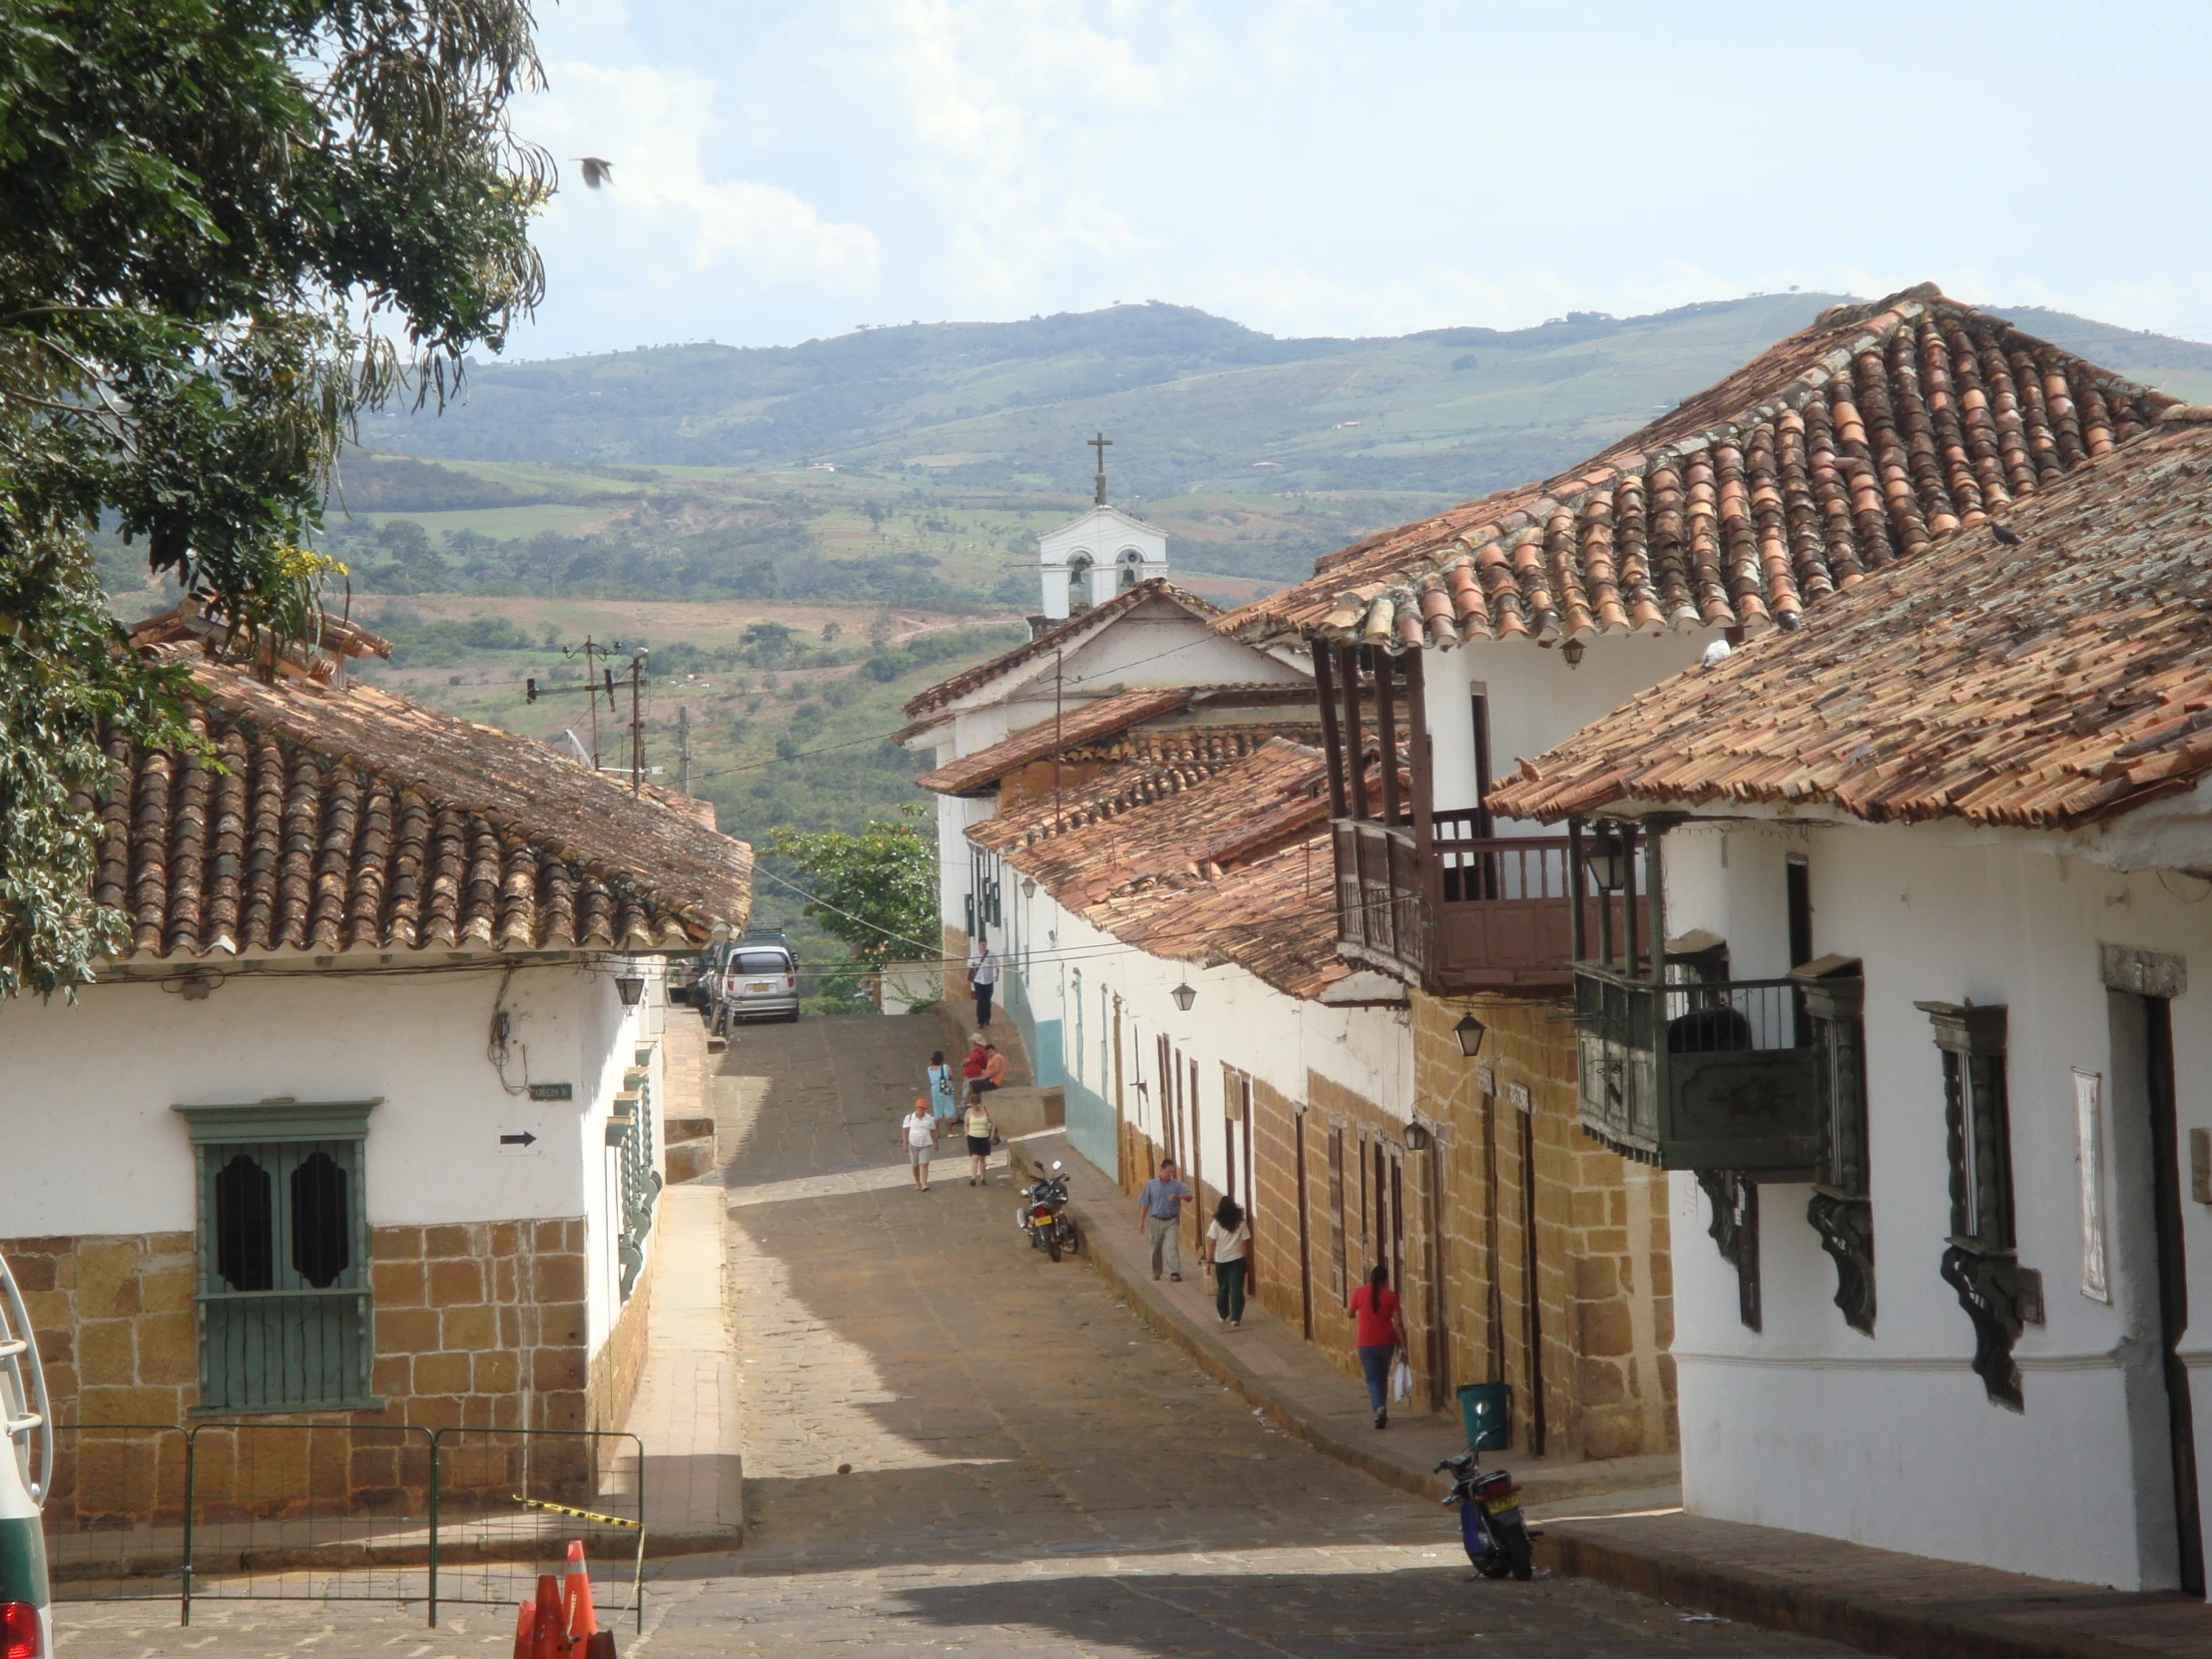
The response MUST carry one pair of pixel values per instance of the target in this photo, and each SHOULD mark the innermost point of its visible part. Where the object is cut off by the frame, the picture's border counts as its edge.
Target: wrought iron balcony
(1481, 913)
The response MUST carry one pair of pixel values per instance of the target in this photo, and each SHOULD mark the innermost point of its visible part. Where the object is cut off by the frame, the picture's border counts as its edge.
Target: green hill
(913, 465)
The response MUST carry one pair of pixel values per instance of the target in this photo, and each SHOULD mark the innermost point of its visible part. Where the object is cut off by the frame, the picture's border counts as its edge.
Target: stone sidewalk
(1279, 1372)
(1622, 1524)
(684, 1408)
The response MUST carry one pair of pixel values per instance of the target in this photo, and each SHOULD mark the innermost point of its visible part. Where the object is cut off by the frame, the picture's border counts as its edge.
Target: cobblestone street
(1031, 1469)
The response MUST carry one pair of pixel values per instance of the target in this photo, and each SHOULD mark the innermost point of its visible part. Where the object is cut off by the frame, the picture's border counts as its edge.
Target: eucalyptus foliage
(227, 226)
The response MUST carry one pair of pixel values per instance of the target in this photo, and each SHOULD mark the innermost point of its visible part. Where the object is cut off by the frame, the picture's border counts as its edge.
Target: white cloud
(663, 226)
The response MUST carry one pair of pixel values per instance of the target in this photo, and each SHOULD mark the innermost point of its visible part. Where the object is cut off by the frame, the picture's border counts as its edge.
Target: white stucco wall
(89, 1145)
(1236, 1019)
(1536, 700)
(1893, 1440)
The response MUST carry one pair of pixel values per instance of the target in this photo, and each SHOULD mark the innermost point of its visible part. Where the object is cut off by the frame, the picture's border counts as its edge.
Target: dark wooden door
(2173, 1284)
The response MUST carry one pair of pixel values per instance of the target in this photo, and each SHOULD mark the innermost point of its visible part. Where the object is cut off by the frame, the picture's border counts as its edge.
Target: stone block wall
(1277, 1203)
(1585, 1335)
(478, 1326)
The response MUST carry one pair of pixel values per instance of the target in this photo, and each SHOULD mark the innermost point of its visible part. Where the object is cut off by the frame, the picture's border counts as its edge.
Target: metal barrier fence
(115, 1514)
(339, 1511)
(510, 1499)
(294, 1512)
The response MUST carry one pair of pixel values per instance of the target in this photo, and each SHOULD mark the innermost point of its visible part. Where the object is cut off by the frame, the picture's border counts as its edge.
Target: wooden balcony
(1484, 915)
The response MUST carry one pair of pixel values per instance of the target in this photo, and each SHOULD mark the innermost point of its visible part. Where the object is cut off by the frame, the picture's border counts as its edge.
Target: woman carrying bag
(1380, 1334)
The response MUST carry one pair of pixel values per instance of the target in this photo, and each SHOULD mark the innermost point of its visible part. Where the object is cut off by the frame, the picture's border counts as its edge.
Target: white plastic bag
(1401, 1383)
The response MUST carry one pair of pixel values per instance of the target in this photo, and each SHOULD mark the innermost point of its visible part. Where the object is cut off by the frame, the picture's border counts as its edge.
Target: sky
(789, 170)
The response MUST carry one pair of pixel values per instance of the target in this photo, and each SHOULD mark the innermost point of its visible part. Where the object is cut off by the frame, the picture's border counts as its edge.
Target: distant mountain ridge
(1193, 401)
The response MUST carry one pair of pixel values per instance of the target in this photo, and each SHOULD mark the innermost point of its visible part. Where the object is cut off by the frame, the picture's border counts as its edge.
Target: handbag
(1401, 1383)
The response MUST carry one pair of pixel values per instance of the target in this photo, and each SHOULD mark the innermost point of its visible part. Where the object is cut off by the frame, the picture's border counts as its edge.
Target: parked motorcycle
(1490, 1523)
(1044, 1216)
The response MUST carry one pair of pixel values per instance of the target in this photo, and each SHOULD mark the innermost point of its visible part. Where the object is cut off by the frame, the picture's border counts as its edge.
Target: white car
(760, 981)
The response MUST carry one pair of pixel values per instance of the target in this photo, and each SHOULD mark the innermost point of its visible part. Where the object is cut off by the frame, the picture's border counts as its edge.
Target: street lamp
(1571, 649)
(631, 988)
(1184, 996)
(1469, 1032)
(1029, 887)
(1608, 860)
(1417, 1137)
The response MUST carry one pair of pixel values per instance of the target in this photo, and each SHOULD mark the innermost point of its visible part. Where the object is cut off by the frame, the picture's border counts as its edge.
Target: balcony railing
(1699, 1075)
(1487, 914)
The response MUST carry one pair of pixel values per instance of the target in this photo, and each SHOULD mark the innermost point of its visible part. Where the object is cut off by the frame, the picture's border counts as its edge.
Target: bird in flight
(596, 171)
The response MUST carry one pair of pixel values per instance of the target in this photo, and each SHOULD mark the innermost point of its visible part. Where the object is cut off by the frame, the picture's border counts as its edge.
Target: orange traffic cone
(526, 1628)
(548, 1639)
(576, 1595)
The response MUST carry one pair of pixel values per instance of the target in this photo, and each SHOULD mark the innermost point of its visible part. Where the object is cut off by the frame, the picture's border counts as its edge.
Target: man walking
(1159, 1213)
(983, 976)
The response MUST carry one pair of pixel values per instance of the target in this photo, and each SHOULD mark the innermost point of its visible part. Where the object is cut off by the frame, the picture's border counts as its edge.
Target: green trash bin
(1486, 1409)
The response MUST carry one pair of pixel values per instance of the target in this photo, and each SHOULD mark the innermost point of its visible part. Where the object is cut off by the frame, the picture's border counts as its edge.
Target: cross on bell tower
(1101, 443)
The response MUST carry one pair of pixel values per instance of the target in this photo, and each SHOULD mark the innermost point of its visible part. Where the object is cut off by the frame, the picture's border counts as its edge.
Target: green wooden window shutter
(286, 1323)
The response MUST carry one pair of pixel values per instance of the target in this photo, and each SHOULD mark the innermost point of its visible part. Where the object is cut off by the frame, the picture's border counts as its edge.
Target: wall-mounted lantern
(1571, 649)
(1184, 996)
(1608, 860)
(1417, 1137)
(1029, 887)
(1469, 1032)
(631, 988)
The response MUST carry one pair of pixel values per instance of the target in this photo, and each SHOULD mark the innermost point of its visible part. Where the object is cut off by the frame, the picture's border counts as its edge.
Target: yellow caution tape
(580, 1515)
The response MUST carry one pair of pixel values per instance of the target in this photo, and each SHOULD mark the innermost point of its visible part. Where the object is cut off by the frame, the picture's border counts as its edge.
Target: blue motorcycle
(1490, 1522)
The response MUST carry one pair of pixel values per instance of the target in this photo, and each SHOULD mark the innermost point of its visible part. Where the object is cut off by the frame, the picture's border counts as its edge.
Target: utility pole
(591, 683)
(683, 750)
(637, 725)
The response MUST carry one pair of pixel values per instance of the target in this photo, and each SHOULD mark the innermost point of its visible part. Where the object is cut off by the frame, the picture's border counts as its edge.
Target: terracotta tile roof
(2045, 684)
(1850, 446)
(1276, 918)
(353, 819)
(1082, 724)
(1057, 637)
(1119, 728)
(1178, 824)
(1153, 766)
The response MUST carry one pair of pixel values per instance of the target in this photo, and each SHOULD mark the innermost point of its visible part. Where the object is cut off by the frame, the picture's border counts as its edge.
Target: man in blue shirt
(1159, 1213)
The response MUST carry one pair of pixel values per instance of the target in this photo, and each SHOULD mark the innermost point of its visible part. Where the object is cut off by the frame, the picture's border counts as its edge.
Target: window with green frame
(286, 1323)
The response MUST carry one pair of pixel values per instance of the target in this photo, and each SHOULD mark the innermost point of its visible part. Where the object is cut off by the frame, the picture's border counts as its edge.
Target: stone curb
(1867, 1621)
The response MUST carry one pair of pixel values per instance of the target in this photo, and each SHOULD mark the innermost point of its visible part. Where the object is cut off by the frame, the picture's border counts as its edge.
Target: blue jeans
(1375, 1363)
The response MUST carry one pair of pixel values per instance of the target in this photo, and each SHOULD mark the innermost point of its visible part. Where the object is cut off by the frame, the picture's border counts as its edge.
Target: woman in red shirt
(1380, 1334)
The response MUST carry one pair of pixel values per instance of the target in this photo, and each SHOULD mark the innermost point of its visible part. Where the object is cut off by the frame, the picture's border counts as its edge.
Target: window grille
(286, 1322)
(630, 1132)
(1999, 1296)
(1841, 1208)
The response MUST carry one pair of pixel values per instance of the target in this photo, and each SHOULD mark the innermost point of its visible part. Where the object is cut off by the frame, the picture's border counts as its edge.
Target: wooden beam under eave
(1355, 746)
(1332, 735)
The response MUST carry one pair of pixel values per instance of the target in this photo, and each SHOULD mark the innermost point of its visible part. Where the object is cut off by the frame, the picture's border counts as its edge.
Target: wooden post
(1628, 894)
(1354, 762)
(1332, 735)
(1577, 929)
(1424, 828)
(1385, 732)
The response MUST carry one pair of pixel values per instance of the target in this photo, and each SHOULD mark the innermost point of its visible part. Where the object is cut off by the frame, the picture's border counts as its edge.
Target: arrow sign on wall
(523, 1139)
